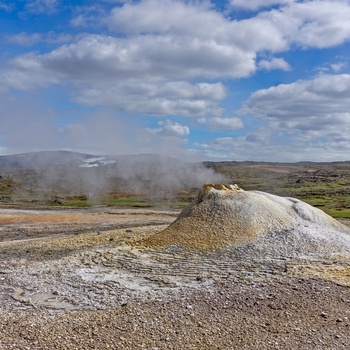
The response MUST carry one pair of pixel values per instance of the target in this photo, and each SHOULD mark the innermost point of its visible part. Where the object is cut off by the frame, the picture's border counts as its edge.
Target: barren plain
(73, 279)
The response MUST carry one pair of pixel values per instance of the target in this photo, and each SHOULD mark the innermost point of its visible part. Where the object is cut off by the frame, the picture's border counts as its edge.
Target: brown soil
(71, 280)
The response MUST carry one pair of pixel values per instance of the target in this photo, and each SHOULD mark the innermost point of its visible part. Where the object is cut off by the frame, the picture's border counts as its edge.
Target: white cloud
(256, 4)
(160, 62)
(170, 128)
(304, 120)
(102, 57)
(183, 89)
(117, 72)
(170, 18)
(80, 21)
(158, 98)
(310, 24)
(250, 147)
(27, 73)
(301, 119)
(26, 39)
(166, 16)
(209, 46)
(221, 123)
(322, 100)
(337, 67)
(274, 63)
(263, 146)
(89, 15)
(42, 6)
(320, 23)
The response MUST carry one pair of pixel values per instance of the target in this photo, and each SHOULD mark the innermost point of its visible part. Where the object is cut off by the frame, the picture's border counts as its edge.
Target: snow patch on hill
(95, 162)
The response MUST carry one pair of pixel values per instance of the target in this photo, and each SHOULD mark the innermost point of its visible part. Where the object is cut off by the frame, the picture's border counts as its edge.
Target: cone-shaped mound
(226, 216)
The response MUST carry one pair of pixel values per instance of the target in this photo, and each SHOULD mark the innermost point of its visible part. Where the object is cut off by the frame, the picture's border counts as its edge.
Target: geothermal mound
(226, 216)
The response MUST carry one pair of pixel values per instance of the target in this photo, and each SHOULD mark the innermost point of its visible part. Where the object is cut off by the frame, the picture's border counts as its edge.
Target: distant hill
(37, 160)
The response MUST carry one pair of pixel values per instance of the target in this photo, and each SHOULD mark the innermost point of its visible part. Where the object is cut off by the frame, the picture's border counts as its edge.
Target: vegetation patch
(135, 202)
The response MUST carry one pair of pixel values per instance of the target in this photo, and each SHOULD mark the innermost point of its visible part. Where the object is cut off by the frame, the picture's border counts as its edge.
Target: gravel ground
(87, 288)
(289, 314)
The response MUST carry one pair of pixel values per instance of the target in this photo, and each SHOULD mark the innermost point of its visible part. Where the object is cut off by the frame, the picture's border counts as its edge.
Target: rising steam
(69, 173)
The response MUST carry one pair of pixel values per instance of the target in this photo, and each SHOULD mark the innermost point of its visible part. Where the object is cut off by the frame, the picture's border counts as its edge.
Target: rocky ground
(75, 279)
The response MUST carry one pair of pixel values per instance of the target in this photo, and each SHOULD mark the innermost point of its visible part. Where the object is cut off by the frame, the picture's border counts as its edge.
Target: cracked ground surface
(74, 279)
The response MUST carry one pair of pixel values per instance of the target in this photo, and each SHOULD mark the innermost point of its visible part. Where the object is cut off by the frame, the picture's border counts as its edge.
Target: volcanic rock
(226, 216)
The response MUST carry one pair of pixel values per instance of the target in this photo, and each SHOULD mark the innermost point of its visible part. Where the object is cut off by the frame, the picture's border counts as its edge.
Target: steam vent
(225, 216)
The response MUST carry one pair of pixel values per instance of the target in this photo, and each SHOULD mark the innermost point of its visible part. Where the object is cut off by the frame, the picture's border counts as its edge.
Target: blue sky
(259, 80)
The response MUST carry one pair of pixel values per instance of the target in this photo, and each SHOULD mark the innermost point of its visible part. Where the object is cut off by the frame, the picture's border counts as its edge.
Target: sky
(230, 80)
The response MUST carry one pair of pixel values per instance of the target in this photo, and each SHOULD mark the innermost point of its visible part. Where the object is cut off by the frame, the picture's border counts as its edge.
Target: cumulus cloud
(166, 16)
(256, 147)
(263, 146)
(300, 119)
(256, 4)
(221, 123)
(100, 57)
(160, 46)
(27, 73)
(170, 128)
(150, 59)
(337, 67)
(274, 63)
(320, 23)
(304, 120)
(311, 24)
(321, 100)
(107, 71)
(26, 39)
(155, 98)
